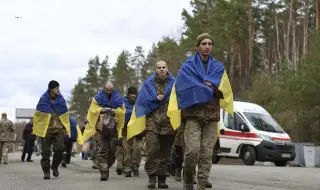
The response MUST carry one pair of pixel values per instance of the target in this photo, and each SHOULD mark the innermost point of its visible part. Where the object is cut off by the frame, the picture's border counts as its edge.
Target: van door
(231, 136)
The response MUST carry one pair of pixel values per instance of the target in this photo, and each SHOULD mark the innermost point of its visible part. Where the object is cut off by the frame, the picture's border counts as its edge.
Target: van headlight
(265, 137)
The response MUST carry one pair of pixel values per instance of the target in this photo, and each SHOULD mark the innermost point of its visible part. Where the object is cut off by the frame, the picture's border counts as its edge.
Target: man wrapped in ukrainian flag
(76, 135)
(51, 119)
(201, 88)
(106, 103)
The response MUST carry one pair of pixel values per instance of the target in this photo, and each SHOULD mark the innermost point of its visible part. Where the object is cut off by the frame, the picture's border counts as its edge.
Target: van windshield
(263, 122)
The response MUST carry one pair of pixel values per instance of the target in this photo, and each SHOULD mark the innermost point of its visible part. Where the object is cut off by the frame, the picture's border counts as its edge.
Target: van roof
(248, 107)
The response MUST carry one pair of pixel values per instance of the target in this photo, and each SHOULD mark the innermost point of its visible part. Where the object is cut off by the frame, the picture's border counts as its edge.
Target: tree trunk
(318, 14)
(306, 28)
(294, 42)
(288, 34)
(250, 44)
(278, 41)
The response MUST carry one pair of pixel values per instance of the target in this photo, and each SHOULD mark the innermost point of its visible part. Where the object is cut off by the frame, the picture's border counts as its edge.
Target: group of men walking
(181, 112)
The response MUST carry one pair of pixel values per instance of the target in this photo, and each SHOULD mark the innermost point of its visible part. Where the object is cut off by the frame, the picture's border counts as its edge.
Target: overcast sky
(55, 40)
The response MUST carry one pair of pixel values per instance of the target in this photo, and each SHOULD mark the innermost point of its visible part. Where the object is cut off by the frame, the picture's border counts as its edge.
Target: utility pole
(318, 14)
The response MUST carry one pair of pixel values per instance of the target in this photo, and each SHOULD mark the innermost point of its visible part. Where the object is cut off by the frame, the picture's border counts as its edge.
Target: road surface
(79, 176)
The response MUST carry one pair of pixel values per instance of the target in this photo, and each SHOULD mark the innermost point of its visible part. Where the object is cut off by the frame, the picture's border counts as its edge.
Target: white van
(252, 135)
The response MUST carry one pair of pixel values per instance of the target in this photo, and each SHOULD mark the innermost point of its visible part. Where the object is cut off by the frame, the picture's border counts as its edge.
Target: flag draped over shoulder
(189, 89)
(76, 134)
(146, 102)
(43, 113)
(129, 108)
(99, 102)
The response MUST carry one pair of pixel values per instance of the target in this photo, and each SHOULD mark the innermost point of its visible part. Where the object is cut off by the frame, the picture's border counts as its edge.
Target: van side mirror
(222, 131)
(243, 127)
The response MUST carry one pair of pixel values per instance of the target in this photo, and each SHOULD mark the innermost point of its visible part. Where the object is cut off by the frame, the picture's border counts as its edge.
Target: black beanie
(132, 90)
(53, 84)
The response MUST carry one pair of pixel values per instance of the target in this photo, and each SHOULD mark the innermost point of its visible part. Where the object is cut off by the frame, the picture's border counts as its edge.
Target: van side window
(233, 123)
(229, 121)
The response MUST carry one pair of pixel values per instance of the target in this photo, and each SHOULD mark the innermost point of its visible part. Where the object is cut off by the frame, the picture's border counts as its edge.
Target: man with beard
(133, 146)
(106, 104)
(51, 119)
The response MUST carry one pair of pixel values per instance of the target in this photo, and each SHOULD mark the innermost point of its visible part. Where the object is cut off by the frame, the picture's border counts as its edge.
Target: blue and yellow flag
(99, 102)
(129, 108)
(189, 89)
(146, 102)
(76, 134)
(43, 113)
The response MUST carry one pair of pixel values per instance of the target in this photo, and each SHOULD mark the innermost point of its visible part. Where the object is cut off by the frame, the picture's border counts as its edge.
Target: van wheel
(280, 163)
(215, 157)
(249, 155)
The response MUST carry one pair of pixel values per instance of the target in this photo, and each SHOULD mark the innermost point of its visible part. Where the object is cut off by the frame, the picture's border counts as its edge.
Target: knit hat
(53, 84)
(132, 90)
(204, 36)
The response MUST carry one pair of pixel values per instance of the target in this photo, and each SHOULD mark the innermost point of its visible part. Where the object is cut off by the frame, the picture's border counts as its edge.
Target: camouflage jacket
(208, 111)
(158, 121)
(55, 125)
(6, 128)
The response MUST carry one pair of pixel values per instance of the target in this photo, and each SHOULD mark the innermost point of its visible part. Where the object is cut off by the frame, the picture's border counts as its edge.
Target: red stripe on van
(240, 134)
(281, 139)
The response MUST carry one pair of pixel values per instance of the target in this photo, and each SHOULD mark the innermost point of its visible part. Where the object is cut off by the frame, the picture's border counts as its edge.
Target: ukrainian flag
(99, 102)
(146, 102)
(43, 113)
(189, 89)
(76, 134)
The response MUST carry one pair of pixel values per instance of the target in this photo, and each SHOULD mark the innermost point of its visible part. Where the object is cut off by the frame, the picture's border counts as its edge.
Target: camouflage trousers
(200, 138)
(57, 142)
(4, 149)
(158, 149)
(94, 151)
(106, 152)
(119, 156)
(132, 153)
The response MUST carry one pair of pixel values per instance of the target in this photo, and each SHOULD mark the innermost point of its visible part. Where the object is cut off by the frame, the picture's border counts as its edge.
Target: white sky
(55, 40)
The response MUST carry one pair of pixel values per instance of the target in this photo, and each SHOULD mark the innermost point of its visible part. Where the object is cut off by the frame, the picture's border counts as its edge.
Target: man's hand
(208, 83)
(160, 97)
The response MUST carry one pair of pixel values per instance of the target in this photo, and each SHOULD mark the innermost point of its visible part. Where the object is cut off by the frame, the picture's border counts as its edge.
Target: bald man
(104, 137)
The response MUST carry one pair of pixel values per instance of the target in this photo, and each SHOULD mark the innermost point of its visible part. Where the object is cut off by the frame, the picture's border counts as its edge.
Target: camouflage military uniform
(200, 137)
(159, 137)
(6, 128)
(119, 157)
(54, 137)
(94, 151)
(106, 149)
(132, 153)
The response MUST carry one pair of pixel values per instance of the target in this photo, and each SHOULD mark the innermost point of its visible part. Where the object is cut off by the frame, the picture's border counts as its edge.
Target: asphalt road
(79, 175)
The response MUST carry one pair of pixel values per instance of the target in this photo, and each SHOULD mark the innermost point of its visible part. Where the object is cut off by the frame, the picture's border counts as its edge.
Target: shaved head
(161, 68)
(108, 87)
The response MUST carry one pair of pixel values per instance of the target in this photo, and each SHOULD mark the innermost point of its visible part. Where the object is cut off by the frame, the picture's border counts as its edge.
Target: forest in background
(270, 48)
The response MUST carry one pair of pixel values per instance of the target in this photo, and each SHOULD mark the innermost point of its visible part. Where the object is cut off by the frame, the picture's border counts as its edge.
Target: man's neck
(204, 57)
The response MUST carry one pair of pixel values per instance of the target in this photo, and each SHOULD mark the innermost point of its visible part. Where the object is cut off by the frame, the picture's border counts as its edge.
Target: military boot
(127, 173)
(162, 182)
(55, 172)
(46, 175)
(63, 163)
(178, 174)
(152, 181)
(208, 185)
(119, 171)
(104, 176)
(187, 186)
(136, 172)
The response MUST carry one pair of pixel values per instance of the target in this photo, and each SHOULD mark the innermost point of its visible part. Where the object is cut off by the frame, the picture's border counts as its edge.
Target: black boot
(55, 172)
(152, 181)
(104, 176)
(208, 185)
(127, 174)
(46, 175)
(136, 173)
(178, 174)
(119, 171)
(63, 164)
(162, 182)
